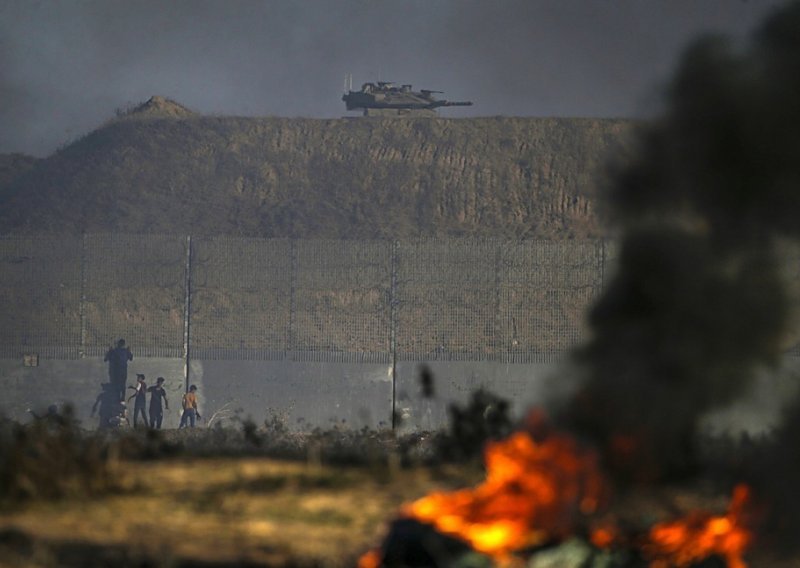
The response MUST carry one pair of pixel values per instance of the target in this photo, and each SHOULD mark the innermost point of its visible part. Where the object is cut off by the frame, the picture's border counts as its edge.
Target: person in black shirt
(140, 397)
(157, 393)
(118, 358)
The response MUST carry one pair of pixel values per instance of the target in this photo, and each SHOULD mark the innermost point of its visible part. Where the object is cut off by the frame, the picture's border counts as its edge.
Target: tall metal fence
(245, 298)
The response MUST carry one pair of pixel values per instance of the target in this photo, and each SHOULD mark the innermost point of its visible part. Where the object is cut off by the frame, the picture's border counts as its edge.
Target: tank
(385, 99)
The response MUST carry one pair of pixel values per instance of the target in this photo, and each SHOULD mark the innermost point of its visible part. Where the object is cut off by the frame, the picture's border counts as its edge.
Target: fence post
(82, 305)
(393, 328)
(293, 262)
(498, 348)
(187, 311)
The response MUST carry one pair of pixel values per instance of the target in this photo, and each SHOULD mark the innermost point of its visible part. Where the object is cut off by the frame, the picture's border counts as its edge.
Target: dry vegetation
(221, 512)
(260, 495)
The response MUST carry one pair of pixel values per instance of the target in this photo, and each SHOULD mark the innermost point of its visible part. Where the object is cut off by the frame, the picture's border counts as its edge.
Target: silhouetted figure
(53, 419)
(112, 410)
(117, 358)
(157, 394)
(140, 399)
(52, 411)
(189, 404)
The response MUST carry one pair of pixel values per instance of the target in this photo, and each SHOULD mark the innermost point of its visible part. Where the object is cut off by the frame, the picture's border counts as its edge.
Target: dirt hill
(161, 168)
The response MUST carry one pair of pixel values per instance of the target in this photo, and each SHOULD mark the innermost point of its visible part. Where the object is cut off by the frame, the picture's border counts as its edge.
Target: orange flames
(533, 492)
(540, 491)
(686, 541)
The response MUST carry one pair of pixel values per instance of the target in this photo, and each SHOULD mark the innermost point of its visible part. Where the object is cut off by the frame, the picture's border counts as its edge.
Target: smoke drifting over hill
(65, 67)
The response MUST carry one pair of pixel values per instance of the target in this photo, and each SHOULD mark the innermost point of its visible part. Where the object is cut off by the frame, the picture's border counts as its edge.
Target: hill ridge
(321, 178)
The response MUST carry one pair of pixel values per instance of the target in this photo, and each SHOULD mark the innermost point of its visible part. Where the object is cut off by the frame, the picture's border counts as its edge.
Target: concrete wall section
(305, 394)
(523, 385)
(77, 382)
(309, 394)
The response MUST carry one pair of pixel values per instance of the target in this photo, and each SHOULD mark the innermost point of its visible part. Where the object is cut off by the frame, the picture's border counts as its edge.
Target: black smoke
(678, 332)
(697, 305)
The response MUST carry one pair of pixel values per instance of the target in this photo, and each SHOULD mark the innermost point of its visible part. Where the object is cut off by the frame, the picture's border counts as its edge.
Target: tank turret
(385, 99)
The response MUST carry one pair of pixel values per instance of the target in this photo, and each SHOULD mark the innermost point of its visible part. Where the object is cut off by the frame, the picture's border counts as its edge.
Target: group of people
(157, 395)
(111, 400)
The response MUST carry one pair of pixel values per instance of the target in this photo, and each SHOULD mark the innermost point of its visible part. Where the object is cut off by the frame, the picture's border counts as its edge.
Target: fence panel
(40, 293)
(341, 296)
(135, 289)
(319, 299)
(447, 299)
(240, 297)
(546, 288)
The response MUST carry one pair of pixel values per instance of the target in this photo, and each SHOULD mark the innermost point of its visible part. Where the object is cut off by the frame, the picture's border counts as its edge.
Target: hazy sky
(66, 65)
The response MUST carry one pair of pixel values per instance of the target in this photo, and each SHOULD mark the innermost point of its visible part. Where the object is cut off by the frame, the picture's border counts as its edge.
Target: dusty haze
(66, 67)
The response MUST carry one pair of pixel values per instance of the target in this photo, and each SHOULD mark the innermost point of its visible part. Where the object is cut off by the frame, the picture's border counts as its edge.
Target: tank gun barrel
(451, 104)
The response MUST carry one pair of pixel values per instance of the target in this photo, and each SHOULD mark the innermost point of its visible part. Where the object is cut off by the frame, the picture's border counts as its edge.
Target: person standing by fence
(157, 394)
(117, 358)
(189, 408)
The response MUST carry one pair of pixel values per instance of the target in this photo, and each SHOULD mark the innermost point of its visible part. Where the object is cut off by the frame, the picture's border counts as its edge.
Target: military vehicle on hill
(385, 99)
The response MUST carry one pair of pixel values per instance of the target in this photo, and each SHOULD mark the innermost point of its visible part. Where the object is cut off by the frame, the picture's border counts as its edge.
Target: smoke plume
(697, 304)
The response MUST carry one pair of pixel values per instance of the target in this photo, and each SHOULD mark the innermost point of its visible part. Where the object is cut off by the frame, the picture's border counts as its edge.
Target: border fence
(262, 299)
(321, 331)
(235, 298)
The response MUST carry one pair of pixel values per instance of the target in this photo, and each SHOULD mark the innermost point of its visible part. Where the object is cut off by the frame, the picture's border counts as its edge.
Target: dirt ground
(220, 512)
(179, 511)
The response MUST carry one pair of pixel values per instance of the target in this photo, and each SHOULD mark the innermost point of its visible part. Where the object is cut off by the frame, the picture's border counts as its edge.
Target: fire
(533, 492)
(545, 487)
(604, 535)
(700, 535)
(371, 559)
